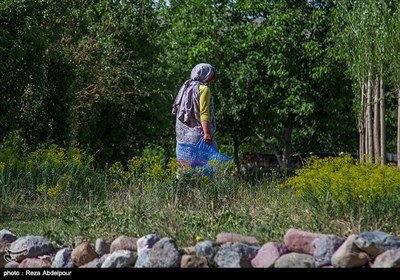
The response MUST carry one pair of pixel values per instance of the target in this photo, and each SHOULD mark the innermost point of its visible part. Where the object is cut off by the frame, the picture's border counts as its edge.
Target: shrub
(48, 172)
(346, 181)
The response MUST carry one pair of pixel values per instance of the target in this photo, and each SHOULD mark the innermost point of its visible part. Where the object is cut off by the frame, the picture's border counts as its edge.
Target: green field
(56, 193)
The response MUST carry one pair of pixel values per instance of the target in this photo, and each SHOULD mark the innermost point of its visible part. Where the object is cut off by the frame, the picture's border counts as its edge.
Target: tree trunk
(382, 121)
(398, 127)
(361, 124)
(368, 116)
(376, 121)
(273, 149)
(287, 148)
(278, 136)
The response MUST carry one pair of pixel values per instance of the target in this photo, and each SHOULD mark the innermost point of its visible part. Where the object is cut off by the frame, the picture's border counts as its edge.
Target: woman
(194, 109)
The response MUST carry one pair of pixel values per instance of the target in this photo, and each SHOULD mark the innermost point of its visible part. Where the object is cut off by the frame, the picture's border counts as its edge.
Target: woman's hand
(207, 138)
(207, 135)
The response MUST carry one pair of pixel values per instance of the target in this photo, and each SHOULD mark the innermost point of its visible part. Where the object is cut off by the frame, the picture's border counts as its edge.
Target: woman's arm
(207, 134)
(205, 97)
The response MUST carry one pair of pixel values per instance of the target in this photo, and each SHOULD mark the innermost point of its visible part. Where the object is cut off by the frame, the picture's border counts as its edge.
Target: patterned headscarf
(202, 73)
(183, 106)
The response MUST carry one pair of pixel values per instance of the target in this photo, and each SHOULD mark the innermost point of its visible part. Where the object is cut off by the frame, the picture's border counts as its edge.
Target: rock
(7, 236)
(83, 254)
(388, 259)
(92, 264)
(121, 258)
(124, 243)
(325, 247)
(143, 259)
(34, 263)
(189, 261)
(102, 247)
(268, 254)
(376, 242)
(349, 255)
(30, 247)
(206, 249)
(164, 254)
(63, 259)
(236, 255)
(146, 241)
(235, 238)
(295, 260)
(300, 241)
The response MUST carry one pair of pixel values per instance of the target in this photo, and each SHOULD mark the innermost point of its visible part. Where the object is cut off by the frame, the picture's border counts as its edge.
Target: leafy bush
(346, 181)
(48, 173)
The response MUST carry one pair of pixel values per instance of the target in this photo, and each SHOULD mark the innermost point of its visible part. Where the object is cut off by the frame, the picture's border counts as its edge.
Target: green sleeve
(205, 97)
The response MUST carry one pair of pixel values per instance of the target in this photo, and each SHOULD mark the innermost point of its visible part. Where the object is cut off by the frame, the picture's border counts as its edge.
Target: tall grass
(58, 193)
(366, 192)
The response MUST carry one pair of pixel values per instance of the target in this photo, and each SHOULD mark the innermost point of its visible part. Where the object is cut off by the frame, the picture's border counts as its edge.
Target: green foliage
(346, 181)
(141, 168)
(105, 73)
(56, 193)
(94, 80)
(36, 89)
(48, 173)
(119, 104)
(354, 24)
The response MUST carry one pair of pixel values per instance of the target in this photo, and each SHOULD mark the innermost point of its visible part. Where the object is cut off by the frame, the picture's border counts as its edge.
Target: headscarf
(183, 106)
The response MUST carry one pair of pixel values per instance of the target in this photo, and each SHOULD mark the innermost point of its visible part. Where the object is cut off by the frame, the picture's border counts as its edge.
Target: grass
(261, 210)
(58, 195)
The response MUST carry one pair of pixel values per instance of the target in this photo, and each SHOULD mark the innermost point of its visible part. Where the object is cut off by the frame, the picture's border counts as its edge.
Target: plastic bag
(199, 156)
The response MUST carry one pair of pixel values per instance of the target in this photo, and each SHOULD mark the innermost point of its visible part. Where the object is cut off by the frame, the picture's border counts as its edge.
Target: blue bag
(199, 156)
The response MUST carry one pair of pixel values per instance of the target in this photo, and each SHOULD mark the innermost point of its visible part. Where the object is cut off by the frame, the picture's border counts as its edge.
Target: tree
(290, 76)
(118, 109)
(36, 76)
(82, 73)
(275, 78)
(368, 60)
(393, 57)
